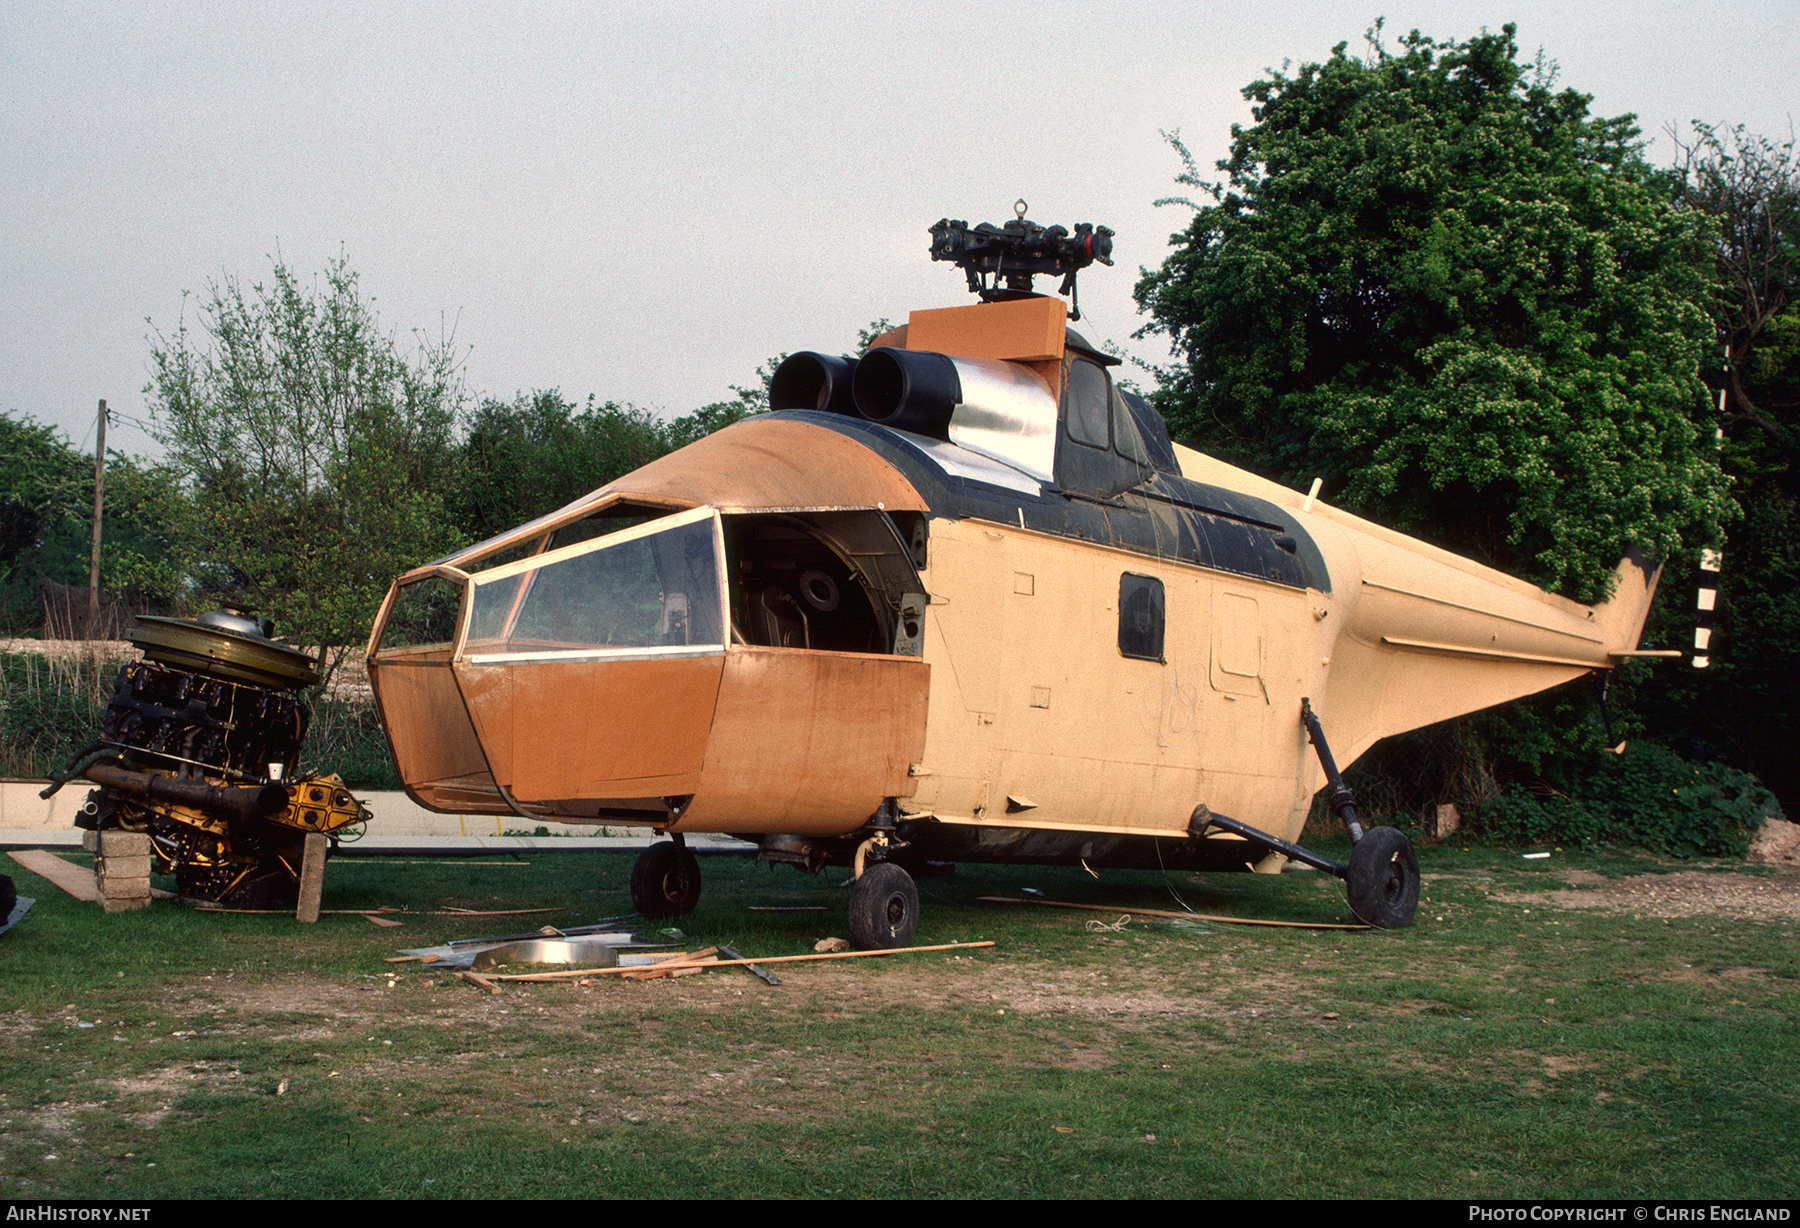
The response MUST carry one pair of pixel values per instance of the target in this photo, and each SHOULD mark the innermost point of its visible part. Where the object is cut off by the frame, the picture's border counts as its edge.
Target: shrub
(1648, 796)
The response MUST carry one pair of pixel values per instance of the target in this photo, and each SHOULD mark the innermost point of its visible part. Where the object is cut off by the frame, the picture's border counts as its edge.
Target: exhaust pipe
(999, 409)
(245, 802)
(809, 380)
(908, 390)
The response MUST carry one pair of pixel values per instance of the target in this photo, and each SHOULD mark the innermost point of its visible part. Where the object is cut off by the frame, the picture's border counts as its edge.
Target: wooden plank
(312, 876)
(767, 959)
(77, 881)
(1177, 916)
(673, 965)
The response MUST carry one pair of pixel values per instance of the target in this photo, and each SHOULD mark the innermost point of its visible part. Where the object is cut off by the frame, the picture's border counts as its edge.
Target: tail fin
(1621, 616)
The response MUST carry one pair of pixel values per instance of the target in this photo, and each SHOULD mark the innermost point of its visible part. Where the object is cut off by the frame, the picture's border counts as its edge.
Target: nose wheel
(1383, 882)
(884, 908)
(665, 881)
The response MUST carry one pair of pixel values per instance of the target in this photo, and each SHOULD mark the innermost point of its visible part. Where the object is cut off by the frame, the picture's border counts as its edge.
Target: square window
(1141, 606)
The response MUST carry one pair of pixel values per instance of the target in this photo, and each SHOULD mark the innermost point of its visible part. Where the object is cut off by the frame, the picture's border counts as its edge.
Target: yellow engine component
(321, 803)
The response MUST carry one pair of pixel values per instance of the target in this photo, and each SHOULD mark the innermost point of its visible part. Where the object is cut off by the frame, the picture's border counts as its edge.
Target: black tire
(665, 882)
(1383, 885)
(9, 898)
(884, 908)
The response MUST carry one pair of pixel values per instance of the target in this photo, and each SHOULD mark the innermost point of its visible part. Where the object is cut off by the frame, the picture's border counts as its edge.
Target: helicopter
(958, 598)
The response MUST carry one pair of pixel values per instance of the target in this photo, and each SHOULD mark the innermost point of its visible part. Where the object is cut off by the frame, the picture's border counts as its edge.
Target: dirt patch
(1121, 999)
(1688, 893)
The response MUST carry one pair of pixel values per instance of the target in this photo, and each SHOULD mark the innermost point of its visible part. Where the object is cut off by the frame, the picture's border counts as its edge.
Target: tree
(1472, 309)
(318, 453)
(46, 518)
(532, 456)
(1746, 704)
(1749, 187)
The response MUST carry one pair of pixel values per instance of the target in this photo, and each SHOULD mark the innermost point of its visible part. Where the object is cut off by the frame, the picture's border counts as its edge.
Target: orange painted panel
(773, 462)
(1025, 330)
(594, 729)
(809, 742)
(426, 722)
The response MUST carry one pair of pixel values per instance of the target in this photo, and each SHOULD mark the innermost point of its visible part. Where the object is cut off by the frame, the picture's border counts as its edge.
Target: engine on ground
(199, 748)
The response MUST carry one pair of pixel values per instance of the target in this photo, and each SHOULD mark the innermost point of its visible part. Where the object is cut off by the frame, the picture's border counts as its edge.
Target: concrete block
(123, 883)
(124, 844)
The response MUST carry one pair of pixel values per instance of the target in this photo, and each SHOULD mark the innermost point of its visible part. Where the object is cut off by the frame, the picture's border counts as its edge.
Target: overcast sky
(645, 201)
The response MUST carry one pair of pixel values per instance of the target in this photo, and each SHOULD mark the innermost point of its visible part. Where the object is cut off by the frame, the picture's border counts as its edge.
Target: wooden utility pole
(93, 618)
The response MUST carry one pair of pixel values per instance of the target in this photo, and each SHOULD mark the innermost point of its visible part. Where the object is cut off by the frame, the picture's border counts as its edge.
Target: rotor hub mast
(1000, 261)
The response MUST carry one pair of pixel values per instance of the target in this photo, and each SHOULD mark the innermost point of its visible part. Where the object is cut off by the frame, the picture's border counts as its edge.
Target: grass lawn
(1591, 1025)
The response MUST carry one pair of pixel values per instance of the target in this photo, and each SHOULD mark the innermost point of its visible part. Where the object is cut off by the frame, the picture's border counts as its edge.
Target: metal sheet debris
(603, 935)
(20, 907)
(593, 951)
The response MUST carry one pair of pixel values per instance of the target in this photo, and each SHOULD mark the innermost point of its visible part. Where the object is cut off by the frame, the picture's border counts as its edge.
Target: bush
(50, 707)
(1648, 796)
(346, 737)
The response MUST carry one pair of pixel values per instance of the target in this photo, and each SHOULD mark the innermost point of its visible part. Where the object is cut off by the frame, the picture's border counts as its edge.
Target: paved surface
(400, 825)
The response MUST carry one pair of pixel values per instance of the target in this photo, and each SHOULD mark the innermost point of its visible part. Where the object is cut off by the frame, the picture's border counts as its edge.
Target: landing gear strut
(884, 902)
(1382, 879)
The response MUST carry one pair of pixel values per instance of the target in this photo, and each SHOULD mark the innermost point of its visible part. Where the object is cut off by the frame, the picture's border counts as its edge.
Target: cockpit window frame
(541, 528)
(550, 558)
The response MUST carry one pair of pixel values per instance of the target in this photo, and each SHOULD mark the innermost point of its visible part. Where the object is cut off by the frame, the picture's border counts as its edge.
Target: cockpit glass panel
(652, 590)
(1088, 403)
(559, 528)
(595, 526)
(1127, 442)
(424, 615)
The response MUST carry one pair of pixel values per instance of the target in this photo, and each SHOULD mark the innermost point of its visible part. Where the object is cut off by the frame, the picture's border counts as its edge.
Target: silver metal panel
(961, 462)
(1007, 414)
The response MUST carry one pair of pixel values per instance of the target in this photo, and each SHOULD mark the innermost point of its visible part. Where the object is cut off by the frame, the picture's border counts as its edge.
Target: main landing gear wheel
(1383, 884)
(884, 908)
(665, 882)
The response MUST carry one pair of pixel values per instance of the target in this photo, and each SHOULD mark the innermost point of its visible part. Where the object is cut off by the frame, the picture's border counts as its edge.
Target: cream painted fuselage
(983, 606)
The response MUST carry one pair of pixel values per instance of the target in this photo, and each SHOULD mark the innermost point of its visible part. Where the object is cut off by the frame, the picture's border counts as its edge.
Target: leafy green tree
(1746, 705)
(538, 452)
(41, 479)
(317, 450)
(1749, 186)
(522, 459)
(46, 521)
(1435, 281)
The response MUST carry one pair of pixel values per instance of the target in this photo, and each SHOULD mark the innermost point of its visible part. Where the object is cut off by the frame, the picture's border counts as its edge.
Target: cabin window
(1102, 454)
(1127, 442)
(1141, 613)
